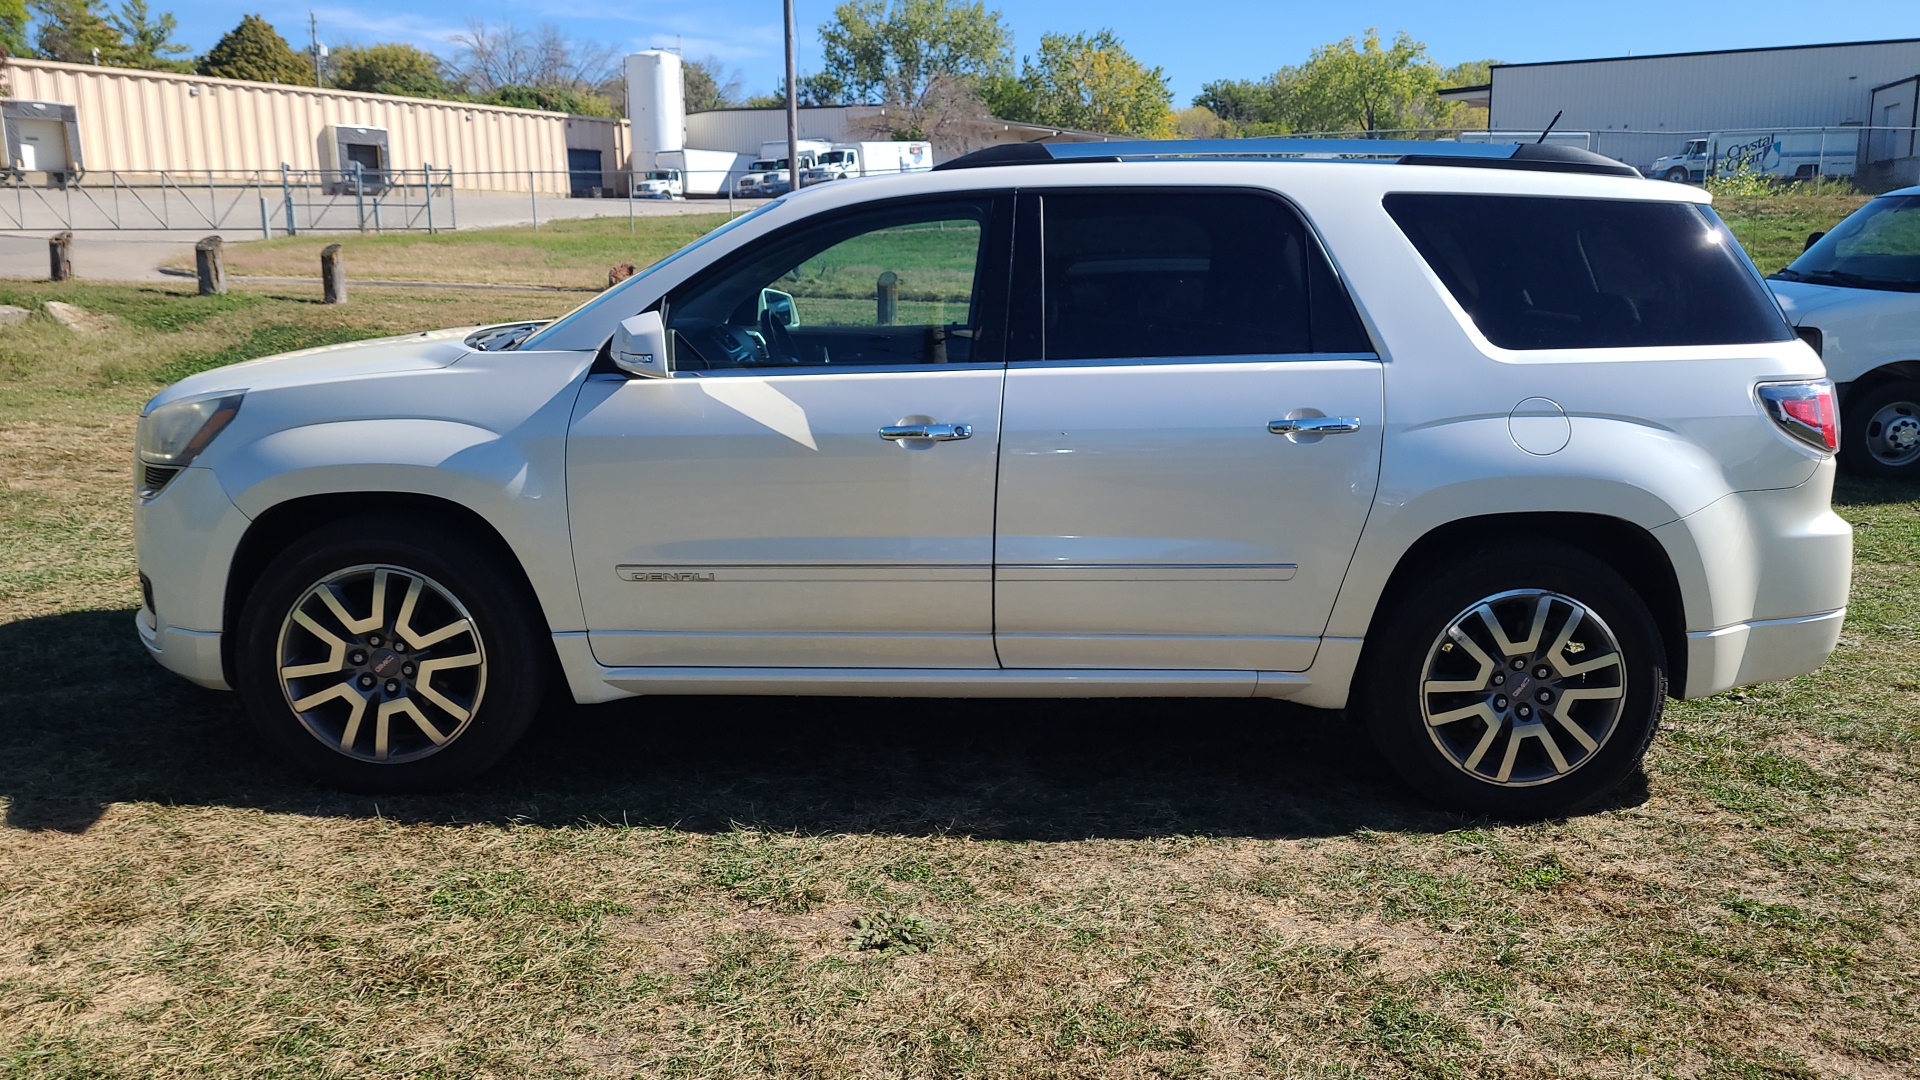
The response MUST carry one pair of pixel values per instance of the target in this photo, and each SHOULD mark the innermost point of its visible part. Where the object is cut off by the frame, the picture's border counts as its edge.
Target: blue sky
(1194, 42)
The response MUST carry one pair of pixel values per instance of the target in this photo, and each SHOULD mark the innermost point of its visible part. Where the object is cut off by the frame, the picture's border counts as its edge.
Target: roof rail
(1537, 157)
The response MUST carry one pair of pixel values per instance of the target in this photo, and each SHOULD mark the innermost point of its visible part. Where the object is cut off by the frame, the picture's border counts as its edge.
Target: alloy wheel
(381, 663)
(1523, 687)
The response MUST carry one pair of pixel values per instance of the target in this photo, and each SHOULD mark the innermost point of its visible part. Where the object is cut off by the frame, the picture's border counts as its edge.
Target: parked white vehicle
(845, 161)
(765, 178)
(659, 184)
(1497, 458)
(1854, 294)
(1788, 155)
(707, 173)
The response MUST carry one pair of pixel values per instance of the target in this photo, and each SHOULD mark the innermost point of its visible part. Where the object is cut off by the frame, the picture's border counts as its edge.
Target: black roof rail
(1539, 157)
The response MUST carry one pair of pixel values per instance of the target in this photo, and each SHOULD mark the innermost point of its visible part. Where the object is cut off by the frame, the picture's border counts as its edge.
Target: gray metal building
(1640, 107)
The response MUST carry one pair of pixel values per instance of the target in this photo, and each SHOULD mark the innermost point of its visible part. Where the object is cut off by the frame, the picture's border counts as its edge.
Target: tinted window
(896, 285)
(1170, 275)
(1538, 273)
(1876, 248)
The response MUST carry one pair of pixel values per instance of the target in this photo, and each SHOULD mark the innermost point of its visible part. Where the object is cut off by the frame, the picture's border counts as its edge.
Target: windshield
(1878, 247)
(659, 176)
(556, 335)
(760, 166)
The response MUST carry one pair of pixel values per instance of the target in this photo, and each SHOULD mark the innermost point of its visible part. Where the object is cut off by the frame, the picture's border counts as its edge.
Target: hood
(356, 359)
(1802, 299)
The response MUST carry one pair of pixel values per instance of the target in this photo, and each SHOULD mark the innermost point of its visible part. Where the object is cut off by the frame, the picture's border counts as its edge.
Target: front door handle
(1315, 425)
(935, 432)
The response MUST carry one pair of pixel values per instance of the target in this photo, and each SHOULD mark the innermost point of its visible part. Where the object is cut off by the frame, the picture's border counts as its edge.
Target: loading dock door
(43, 145)
(583, 169)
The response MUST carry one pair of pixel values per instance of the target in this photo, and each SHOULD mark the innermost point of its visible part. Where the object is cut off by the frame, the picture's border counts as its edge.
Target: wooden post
(210, 263)
(60, 255)
(333, 275)
(888, 290)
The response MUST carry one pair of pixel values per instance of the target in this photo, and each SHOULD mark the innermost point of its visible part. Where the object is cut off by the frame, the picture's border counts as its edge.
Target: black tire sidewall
(1853, 430)
(1391, 673)
(505, 616)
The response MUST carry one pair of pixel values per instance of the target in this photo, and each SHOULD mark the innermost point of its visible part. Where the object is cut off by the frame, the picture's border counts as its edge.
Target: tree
(72, 30)
(708, 85)
(1090, 82)
(390, 68)
(564, 99)
(13, 27)
(1354, 84)
(148, 40)
(254, 51)
(1199, 122)
(493, 57)
(902, 52)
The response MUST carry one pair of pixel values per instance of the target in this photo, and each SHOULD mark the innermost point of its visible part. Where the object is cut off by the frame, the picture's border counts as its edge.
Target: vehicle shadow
(88, 720)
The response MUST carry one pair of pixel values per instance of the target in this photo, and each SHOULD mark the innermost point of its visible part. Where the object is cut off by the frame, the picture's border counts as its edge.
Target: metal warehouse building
(1640, 107)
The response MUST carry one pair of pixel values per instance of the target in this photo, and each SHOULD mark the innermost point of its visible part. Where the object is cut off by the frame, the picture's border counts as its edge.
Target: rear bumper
(1765, 651)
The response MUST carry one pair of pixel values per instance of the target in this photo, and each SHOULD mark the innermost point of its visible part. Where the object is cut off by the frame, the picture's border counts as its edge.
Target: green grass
(1774, 228)
(767, 887)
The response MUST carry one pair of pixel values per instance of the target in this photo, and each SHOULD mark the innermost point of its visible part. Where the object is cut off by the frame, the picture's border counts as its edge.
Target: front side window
(1172, 274)
(1878, 247)
(898, 285)
(1551, 273)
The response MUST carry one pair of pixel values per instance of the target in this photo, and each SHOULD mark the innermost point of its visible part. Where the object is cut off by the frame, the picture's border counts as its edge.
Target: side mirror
(779, 307)
(1813, 238)
(640, 346)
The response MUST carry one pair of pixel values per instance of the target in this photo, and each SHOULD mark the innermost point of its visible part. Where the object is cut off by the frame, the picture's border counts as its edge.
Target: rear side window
(1169, 274)
(1544, 273)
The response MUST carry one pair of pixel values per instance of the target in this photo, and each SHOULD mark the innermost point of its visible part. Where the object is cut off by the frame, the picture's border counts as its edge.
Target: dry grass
(668, 887)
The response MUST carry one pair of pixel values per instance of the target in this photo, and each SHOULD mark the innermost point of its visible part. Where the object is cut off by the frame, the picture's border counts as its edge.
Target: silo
(656, 104)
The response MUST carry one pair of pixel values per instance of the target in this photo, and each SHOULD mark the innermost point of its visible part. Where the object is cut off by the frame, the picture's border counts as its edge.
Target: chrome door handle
(936, 432)
(1315, 425)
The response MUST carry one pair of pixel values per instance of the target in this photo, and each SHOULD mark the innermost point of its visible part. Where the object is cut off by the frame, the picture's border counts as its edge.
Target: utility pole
(793, 110)
(313, 33)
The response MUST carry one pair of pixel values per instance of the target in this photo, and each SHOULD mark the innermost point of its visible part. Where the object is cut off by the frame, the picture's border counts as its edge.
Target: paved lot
(135, 255)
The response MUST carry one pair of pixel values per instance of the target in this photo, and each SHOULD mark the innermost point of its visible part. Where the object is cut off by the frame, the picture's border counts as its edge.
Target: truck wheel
(1521, 681)
(1677, 174)
(1880, 433)
(384, 656)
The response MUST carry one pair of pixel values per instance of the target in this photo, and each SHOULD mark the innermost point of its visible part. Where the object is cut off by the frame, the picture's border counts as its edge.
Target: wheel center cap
(1905, 432)
(1519, 688)
(385, 663)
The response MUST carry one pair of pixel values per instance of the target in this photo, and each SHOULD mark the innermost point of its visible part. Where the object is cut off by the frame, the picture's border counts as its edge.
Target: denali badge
(641, 573)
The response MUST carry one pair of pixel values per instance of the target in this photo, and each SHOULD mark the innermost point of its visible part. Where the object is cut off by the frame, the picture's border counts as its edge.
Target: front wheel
(386, 656)
(1521, 681)
(1677, 174)
(1880, 435)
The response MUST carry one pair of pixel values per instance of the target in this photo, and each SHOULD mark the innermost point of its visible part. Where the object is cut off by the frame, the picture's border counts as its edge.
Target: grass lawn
(759, 887)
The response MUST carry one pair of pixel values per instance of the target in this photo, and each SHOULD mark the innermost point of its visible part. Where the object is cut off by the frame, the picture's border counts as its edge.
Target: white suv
(1498, 447)
(1854, 294)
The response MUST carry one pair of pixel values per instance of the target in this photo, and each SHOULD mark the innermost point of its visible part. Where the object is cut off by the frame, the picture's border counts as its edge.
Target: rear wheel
(1522, 681)
(1881, 432)
(383, 656)
(1677, 174)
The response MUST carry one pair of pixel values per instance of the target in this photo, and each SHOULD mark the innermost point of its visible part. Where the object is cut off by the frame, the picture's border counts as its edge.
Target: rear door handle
(1315, 425)
(936, 432)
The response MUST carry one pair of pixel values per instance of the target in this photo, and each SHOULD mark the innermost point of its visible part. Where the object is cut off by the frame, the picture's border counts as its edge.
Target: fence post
(333, 275)
(286, 196)
(60, 257)
(266, 225)
(210, 266)
(453, 203)
(533, 196)
(887, 290)
(1820, 170)
(359, 196)
(427, 174)
(630, 190)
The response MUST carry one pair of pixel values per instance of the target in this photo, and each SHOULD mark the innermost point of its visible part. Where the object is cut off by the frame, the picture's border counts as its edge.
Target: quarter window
(899, 285)
(1169, 274)
(1546, 273)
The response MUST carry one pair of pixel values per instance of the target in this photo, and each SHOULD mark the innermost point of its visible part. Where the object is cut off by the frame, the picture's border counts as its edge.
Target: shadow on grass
(87, 720)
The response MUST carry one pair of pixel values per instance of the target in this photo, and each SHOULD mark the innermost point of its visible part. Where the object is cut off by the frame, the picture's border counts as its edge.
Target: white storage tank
(656, 105)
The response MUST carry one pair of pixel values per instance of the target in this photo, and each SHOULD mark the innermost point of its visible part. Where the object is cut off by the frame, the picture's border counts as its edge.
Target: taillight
(1804, 410)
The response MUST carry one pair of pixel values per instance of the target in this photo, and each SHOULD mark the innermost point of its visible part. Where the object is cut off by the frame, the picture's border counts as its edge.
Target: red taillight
(1804, 410)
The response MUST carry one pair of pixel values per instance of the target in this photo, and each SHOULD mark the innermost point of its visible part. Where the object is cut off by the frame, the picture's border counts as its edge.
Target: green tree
(148, 39)
(390, 68)
(564, 99)
(254, 51)
(1355, 84)
(908, 53)
(71, 30)
(1090, 82)
(708, 85)
(13, 27)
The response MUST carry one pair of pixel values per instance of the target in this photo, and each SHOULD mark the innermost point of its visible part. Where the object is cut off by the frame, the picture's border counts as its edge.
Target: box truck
(708, 173)
(1786, 155)
(842, 161)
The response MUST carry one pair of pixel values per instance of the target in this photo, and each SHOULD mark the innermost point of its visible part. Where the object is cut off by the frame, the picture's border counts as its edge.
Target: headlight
(172, 435)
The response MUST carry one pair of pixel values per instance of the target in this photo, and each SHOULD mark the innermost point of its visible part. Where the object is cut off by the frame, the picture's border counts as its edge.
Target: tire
(1677, 175)
(424, 689)
(1435, 674)
(1880, 432)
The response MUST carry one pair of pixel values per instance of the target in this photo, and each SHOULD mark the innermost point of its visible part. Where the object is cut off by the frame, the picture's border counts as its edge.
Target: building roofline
(1895, 82)
(1712, 52)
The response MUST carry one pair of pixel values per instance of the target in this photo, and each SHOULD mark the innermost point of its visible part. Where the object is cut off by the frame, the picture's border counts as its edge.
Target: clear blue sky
(1194, 42)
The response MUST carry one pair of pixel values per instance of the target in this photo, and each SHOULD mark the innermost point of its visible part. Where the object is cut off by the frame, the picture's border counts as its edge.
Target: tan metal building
(130, 121)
